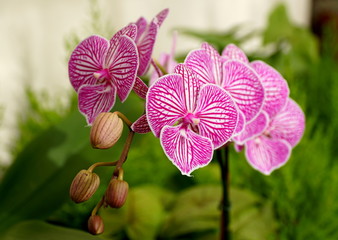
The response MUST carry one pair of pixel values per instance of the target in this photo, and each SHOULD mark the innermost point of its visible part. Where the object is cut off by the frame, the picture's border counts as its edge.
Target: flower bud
(116, 194)
(106, 130)
(84, 186)
(95, 225)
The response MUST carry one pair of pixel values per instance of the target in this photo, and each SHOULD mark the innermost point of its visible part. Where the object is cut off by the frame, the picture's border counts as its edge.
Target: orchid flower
(235, 76)
(275, 86)
(276, 93)
(98, 69)
(272, 148)
(191, 119)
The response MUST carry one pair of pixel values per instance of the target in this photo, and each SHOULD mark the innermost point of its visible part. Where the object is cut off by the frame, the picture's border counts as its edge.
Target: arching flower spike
(191, 120)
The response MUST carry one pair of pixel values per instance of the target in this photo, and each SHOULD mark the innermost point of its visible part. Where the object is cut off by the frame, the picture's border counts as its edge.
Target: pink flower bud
(84, 186)
(116, 193)
(95, 225)
(106, 130)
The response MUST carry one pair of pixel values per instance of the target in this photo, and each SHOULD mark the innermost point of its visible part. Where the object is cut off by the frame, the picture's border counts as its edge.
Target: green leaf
(38, 181)
(140, 217)
(196, 214)
(38, 230)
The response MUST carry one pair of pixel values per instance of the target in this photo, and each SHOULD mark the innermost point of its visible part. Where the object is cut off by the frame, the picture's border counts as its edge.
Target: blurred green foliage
(298, 201)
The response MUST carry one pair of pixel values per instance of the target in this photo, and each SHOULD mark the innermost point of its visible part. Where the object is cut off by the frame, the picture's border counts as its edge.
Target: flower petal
(165, 103)
(145, 47)
(275, 86)
(140, 88)
(87, 58)
(95, 99)
(215, 58)
(130, 31)
(186, 149)
(123, 63)
(141, 27)
(288, 124)
(217, 113)
(141, 125)
(240, 124)
(231, 51)
(201, 63)
(161, 16)
(191, 85)
(254, 128)
(245, 87)
(267, 154)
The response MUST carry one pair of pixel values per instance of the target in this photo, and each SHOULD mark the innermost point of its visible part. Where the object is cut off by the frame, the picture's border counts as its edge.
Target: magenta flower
(98, 69)
(235, 76)
(190, 119)
(272, 148)
(146, 37)
(275, 86)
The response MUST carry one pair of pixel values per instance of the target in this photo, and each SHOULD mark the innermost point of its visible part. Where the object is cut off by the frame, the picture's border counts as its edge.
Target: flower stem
(124, 154)
(223, 160)
(158, 68)
(98, 206)
(124, 118)
(100, 164)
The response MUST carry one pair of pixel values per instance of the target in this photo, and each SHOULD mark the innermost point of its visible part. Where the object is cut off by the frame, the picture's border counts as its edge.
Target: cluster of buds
(105, 132)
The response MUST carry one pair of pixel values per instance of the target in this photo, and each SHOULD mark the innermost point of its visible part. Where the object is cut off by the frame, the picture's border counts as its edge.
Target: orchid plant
(195, 108)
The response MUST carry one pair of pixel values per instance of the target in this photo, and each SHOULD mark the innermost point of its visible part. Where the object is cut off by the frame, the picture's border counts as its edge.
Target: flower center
(102, 75)
(190, 118)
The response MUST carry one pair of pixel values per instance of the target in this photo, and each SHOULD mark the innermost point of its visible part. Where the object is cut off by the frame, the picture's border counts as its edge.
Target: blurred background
(44, 141)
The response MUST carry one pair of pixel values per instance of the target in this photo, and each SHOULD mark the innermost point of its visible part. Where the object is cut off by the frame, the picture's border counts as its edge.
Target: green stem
(100, 164)
(124, 154)
(223, 160)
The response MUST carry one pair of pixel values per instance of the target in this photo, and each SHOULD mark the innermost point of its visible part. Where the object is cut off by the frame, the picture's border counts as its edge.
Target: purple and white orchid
(272, 148)
(235, 76)
(98, 69)
(190, 118)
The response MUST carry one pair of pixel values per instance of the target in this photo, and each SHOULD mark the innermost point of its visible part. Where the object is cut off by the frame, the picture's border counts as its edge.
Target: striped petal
(191, 85)
(253, 129)
(130, 31)
(186, 149)
(267, 154)
(244, 86)
(161, 16)
(202, 64)
(140, 88)
(87, 58)
(216, 62)
(141, 125)
(123, 64)
(95, 99)
(165, 103)
(145, 47)
(288, 124)
(240, 123)
(275, 86)
(217, 113)
(232, 52)
(141, 27)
